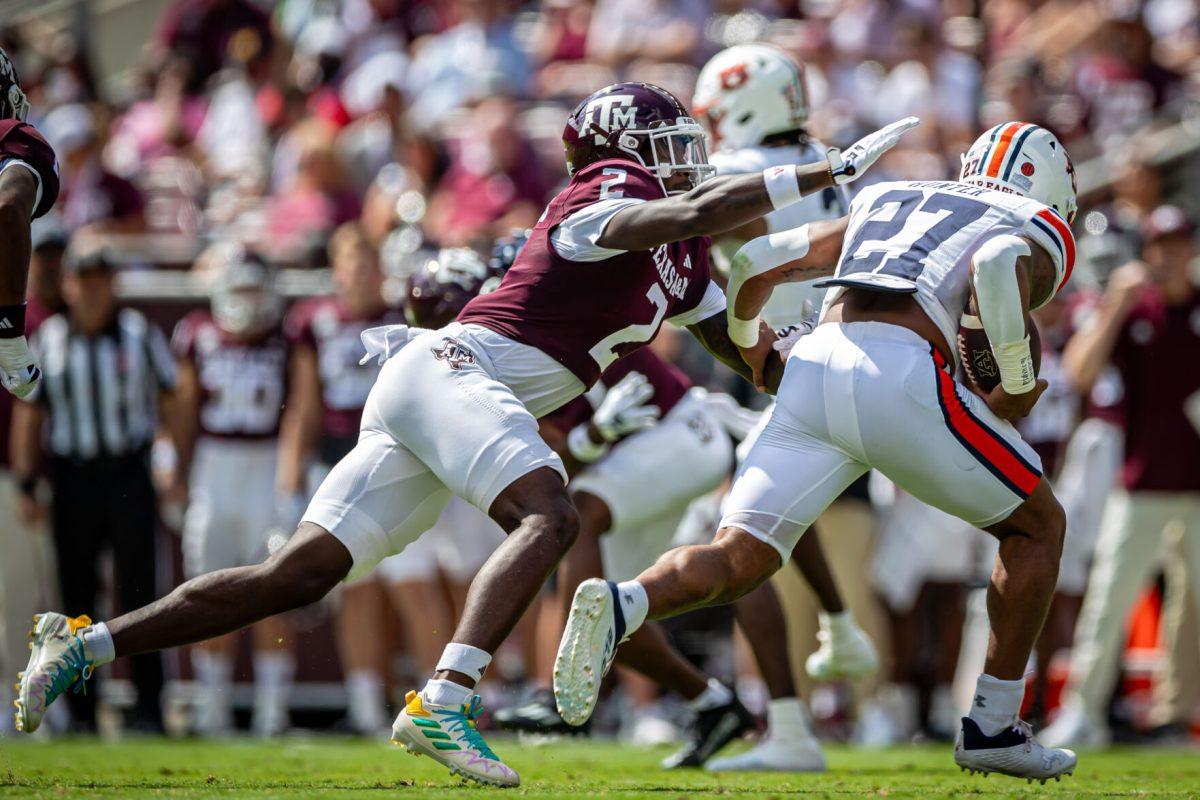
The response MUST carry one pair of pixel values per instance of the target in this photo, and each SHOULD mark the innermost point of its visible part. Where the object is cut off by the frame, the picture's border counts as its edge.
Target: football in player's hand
(975, 350)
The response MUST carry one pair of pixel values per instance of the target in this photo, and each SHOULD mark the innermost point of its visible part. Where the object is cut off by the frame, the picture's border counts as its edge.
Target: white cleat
(774, 755)
(1013, 751)
(56, 663)
(448, 736)
(1075, 727)
(846, 653)
(594, 629)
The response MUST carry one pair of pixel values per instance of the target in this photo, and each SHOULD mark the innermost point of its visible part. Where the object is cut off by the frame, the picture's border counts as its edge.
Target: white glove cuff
(581, 446)
(1015, 361)
(783, 187)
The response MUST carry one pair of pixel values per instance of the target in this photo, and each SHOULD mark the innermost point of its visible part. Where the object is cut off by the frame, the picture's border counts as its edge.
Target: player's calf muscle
(706, 575)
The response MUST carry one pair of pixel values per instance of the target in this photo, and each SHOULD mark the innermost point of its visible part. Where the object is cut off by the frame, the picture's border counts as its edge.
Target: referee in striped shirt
(105, 372)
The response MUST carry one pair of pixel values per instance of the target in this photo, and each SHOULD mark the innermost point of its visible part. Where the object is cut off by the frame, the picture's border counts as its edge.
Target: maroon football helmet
(441, 286)
(638, 122)
(13, 104)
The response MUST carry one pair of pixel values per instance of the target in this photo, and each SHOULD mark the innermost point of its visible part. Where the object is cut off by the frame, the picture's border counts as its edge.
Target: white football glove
(791, 334)
(624, 410)
(850, 164)
(19, 371)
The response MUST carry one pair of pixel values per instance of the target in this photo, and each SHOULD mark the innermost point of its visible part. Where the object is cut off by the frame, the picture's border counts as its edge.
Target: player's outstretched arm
(1010, 275)
(810, 251)
(1089, 350)
(727, 202)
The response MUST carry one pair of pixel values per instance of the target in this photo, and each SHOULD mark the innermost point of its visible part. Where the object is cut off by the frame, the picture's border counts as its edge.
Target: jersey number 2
(899, 245)
(605, 350)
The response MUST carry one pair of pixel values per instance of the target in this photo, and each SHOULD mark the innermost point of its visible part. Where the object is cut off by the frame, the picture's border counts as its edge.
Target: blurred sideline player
(872, 387)
(753, 101)
(455, 411)
(233, 383)
(331, 388)
(28, 189)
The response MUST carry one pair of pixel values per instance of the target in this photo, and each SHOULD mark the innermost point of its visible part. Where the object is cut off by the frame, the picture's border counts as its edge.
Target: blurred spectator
(623, 31)
(207, 33)
(311, 200)
(91, 194)
(105, 370)
(468, 61)
(494, 183)
(1148, 325)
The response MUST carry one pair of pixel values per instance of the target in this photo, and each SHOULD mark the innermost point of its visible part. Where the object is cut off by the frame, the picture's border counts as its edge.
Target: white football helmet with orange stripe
(748, 92)
(1024, 159)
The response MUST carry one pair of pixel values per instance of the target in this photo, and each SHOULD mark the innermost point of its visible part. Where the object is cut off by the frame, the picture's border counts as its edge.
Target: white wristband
(783, 187)
(580, 444)
(1015, 361)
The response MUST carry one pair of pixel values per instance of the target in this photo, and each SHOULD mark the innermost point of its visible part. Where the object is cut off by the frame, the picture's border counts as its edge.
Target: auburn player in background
(28, 189)
(623, 248)
(233, 383)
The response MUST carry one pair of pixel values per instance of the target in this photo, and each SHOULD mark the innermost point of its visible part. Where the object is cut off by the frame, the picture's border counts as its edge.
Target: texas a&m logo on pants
(453, 354)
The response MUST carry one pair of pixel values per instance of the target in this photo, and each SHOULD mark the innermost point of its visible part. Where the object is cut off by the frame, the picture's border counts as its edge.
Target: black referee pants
(98, 504)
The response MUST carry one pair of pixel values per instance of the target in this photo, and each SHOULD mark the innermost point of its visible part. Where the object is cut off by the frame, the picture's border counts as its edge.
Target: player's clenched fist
(1013, 407)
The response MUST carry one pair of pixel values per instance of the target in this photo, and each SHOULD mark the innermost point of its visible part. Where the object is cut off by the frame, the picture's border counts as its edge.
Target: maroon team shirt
(669, 383)
(242, 385)
(1156, 356)
(587, 314)
(325, 325)
(21, 141)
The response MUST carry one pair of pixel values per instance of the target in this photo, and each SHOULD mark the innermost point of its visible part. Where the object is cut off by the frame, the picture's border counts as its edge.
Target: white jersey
(784, 307)
(919, 237)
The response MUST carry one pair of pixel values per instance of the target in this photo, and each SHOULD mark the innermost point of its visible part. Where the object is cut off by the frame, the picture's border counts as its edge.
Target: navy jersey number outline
(909, 264)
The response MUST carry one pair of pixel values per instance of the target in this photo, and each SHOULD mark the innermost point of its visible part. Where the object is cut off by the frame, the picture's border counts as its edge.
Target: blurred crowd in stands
(438, 124)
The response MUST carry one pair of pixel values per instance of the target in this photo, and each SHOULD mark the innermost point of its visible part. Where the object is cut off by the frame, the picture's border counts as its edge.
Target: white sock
(788, 719)
(839, 625)
(273, 670)
(98, 645)
(635, 604)
(364, 693)
(996, 704)
(214, 671)
(445, 693)
(714, 695)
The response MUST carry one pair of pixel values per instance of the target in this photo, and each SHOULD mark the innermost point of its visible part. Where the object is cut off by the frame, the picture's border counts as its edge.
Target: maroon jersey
(21, 141)
(1156, 356)
(585, 315)
(242, 385)
(670, 385)
(333, 333)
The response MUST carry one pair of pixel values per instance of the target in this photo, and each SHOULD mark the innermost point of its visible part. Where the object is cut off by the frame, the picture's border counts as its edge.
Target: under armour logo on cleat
(979, 701)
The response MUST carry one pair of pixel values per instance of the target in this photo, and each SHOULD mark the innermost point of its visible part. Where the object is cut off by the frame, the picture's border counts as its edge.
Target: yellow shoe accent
(413, 706)
(75, 623)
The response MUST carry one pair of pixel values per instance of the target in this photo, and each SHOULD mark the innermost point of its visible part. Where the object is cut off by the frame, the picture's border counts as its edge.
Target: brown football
(979, 364)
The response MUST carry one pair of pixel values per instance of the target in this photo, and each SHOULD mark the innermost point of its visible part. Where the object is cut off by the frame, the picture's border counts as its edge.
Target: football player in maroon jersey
(621, 249)
(28, 189)
(233, 383)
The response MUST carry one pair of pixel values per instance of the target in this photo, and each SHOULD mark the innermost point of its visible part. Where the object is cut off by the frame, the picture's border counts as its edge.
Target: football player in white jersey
(753, 101)
(873, 387)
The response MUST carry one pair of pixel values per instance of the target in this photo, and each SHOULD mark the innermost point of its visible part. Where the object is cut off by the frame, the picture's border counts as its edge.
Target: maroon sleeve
(20, 140)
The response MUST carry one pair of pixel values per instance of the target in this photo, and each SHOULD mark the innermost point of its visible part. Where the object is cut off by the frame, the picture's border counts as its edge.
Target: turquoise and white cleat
(448, 736)
(594, 629)
(56, 664)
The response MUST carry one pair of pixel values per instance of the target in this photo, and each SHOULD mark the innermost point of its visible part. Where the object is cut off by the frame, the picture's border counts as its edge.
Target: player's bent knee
(307, 569)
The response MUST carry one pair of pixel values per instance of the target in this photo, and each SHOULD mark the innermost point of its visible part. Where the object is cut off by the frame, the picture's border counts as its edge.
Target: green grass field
(322, 768)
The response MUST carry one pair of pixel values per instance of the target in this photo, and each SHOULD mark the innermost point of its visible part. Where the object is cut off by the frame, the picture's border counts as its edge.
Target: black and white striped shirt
(101, 391)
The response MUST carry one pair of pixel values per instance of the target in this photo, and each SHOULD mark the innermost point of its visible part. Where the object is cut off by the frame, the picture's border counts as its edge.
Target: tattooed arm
(754, 364)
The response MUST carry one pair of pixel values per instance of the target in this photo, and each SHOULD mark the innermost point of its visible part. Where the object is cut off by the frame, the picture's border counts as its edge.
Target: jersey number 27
(900, 244)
